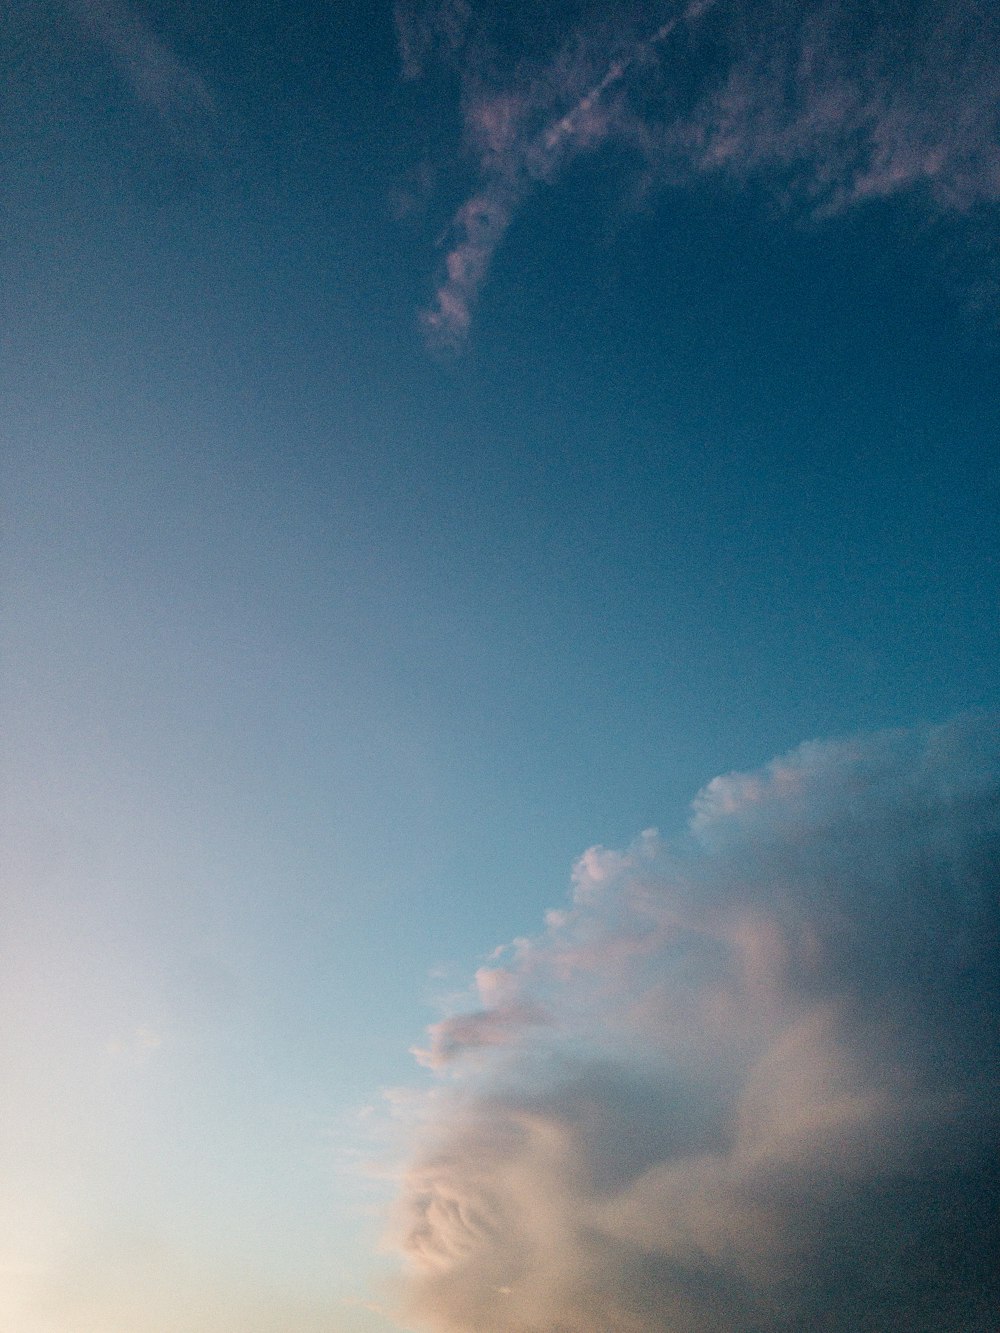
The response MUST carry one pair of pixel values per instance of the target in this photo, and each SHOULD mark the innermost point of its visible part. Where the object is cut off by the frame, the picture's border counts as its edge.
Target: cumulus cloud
(500, 1021)
(765, 1096)
(831, 104)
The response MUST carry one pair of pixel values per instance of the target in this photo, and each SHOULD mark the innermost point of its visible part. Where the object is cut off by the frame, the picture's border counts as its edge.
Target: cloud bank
(830, 104)
(747, 1079)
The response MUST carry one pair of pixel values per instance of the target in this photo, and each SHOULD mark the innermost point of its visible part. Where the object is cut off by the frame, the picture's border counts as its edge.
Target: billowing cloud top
(747, 1080)
(829, 103)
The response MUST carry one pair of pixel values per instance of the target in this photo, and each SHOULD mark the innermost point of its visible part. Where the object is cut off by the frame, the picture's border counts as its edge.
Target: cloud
(520, 135)
(500, 1022)
(423, 30)
(829, 104)
(155, 73)
(765, 1096)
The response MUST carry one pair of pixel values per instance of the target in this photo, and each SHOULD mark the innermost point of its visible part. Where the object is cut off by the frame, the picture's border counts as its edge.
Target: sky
(500, 620)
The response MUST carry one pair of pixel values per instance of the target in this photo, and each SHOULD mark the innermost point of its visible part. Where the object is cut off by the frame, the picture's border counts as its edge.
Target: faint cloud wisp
(155, 73)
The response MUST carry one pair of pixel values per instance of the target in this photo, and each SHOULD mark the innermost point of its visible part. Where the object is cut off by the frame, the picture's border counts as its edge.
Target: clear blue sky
(336, 627)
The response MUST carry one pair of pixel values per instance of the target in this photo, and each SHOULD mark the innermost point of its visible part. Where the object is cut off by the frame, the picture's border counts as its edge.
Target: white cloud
(765, 1094)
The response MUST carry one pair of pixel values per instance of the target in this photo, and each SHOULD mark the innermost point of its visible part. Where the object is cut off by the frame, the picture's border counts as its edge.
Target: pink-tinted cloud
(520, 136)
(846, 112)
(765, 1094)
(423, 30)
(501, 1025)
(830, 106)
(156, 74)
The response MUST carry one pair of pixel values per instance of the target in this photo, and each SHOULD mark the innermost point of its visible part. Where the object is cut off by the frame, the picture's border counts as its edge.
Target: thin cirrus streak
(747, 1078)
(513, 164)
(830, 108)
(156, 74)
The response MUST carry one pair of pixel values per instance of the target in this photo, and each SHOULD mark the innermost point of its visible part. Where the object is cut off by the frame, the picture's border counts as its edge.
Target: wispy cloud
(830, 104)
(156, 74)
(423, 31)
(520, 135)
(765, 1095)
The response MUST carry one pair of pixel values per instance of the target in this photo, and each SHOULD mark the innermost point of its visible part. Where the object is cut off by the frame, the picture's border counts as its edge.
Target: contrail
(617, 71)
(482, 222)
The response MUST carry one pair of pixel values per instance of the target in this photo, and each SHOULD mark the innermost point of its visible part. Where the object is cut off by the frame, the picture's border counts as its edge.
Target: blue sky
(434, 444)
